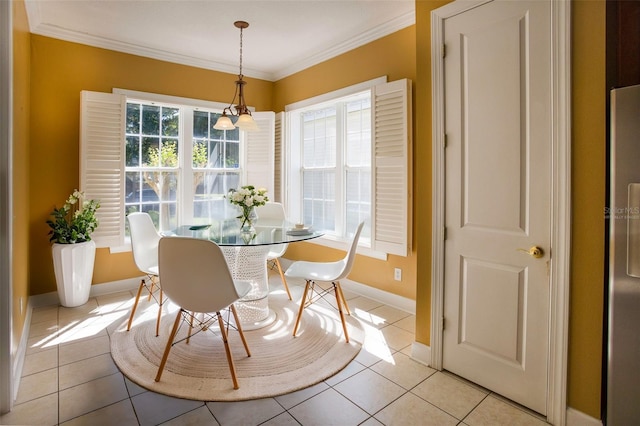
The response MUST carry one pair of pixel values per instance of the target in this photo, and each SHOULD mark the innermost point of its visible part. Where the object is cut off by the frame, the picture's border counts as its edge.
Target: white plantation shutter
(259, 153)
(102, 121)
(278, 175)
(391, 167)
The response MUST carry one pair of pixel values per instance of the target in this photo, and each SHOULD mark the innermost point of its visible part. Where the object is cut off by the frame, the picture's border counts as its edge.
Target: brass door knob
(534, 251)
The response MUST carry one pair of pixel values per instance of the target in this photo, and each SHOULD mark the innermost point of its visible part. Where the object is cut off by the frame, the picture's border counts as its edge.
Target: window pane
(319, 138)
(208, 201)
(132, 187)
(200, 124)
(155, 193)
(169, 153)
(150, 120)
(170, 121)
(358, 132)
(318, 194)
(358, 200)
(232, 157)
(133, 118)
(132, 151)
(199, 155)
(150, 152)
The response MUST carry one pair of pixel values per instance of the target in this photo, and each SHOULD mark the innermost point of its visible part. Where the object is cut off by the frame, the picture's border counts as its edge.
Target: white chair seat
(331, 272)
(317, 271)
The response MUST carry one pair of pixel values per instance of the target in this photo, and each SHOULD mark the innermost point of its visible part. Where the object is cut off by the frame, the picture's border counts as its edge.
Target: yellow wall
(20, 247)
(59, 71)
(588, 128)
(392, 56)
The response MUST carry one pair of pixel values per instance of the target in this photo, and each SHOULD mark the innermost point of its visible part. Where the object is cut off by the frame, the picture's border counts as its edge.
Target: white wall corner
(578, 418)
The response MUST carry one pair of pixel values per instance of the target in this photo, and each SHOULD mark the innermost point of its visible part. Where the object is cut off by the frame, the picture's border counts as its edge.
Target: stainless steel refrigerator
(623, 357)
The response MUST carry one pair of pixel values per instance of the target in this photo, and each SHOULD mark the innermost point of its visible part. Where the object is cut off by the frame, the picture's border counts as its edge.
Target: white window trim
(134, 95)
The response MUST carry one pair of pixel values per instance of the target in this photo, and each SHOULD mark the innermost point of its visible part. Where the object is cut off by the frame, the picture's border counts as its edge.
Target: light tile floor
(69, 378)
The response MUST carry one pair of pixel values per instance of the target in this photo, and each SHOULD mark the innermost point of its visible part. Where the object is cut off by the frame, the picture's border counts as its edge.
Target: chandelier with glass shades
(245, 121)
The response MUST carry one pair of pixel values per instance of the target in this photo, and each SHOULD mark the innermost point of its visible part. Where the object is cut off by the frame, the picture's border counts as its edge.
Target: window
(152, 160)
(161, 155)
(336, 164)
(349, 161)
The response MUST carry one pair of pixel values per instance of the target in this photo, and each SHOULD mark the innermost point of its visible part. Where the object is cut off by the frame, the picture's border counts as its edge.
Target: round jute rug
(279, 363)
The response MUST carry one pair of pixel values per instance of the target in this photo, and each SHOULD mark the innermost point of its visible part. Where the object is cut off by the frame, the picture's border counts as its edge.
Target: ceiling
(283, 37)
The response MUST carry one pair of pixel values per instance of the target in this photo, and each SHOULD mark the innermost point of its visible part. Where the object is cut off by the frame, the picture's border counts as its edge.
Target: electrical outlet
(397, 274)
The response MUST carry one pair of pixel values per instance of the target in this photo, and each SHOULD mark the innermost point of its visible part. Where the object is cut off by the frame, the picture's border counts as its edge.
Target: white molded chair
(144, 244)
(273, 215)
(196, 277)
(325, 271)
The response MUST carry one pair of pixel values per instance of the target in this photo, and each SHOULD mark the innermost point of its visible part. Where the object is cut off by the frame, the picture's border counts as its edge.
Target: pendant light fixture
(245, 121)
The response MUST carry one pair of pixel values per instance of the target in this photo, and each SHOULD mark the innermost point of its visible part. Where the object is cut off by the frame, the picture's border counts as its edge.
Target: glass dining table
(247, 261)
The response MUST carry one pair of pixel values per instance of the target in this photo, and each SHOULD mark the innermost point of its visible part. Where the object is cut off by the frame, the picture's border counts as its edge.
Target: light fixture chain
(241, 51)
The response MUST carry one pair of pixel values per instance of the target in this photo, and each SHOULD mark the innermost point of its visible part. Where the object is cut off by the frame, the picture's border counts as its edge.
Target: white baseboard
(390, 299)
(421, 353)
(48, 299)
(21, 350)
(578, 418)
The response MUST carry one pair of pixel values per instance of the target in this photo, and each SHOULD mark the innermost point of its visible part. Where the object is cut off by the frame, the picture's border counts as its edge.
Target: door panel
(497, 184)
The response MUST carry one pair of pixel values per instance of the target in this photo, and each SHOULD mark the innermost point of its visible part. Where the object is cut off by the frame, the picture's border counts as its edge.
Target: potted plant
(73, 250)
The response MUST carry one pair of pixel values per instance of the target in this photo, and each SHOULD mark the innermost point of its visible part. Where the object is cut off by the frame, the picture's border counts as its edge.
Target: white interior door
(497, 92)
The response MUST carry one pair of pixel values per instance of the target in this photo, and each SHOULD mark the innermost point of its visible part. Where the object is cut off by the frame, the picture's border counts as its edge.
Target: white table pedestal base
(249, 263)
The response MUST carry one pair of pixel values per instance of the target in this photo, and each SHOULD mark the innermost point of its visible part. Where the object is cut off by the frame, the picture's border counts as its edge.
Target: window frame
(378, 249)
(255, 152)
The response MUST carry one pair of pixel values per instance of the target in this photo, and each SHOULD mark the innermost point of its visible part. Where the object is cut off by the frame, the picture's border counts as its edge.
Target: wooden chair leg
(159, 315)
(339, 301)
(153, 283)
(191, 316)
(135, 304)
(284, 280)
(344, 300)
(172, 336)
(239, 327)
(303, 302)
(232, 367)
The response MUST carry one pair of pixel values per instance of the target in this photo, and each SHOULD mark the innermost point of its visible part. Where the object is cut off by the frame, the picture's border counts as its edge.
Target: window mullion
(340, 170)
(185, 167)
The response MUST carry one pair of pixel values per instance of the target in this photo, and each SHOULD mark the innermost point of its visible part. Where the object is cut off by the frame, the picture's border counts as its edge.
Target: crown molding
(36, 26)
(380, 31)
(148, 52)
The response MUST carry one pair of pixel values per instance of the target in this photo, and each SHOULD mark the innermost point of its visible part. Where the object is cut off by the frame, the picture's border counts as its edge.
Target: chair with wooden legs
(196, 277)
(331, 272)
(144, 244)
(273, 215)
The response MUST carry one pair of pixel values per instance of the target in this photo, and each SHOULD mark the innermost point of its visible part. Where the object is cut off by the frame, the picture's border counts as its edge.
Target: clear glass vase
(247, 231)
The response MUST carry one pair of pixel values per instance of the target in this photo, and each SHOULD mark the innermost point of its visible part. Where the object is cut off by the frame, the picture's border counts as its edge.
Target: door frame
(6, 139)
(560, 196)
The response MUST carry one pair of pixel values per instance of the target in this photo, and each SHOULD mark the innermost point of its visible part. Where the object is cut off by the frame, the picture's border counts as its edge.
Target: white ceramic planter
(73, 267)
